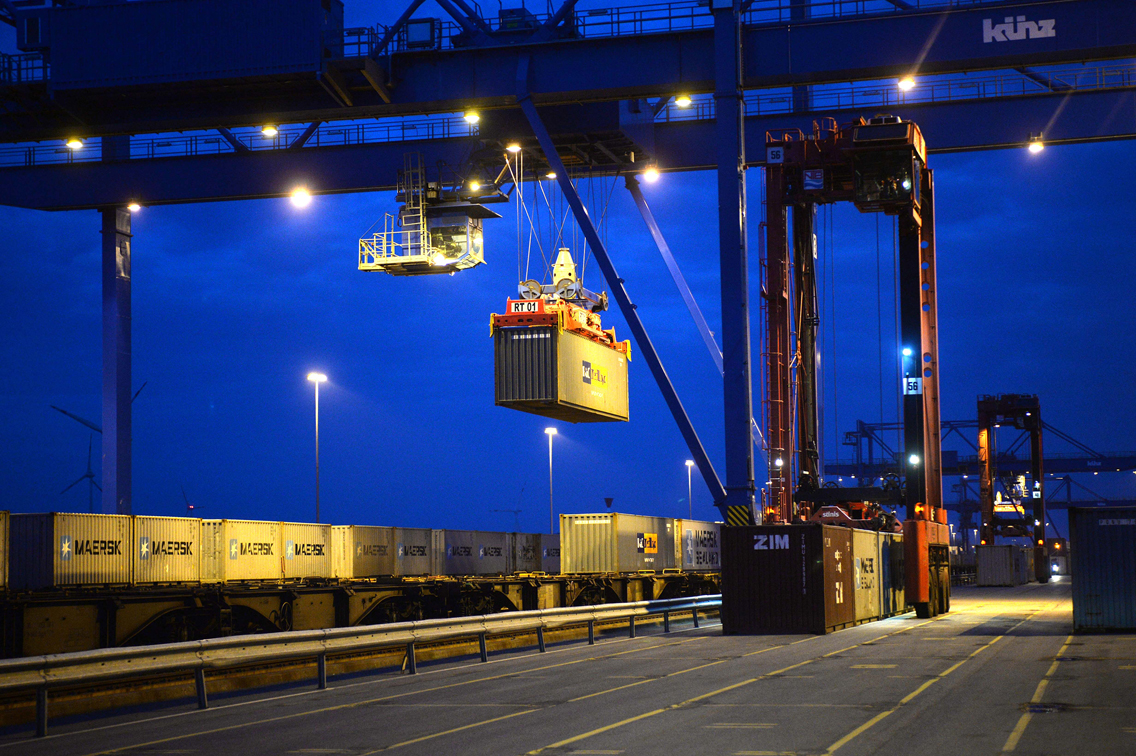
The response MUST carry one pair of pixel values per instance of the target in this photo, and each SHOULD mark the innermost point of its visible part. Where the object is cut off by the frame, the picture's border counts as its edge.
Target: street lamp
(317, 378)
(689, 503)
(551, 517)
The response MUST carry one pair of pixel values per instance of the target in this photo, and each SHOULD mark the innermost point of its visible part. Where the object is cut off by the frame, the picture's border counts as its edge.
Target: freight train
(79, 581)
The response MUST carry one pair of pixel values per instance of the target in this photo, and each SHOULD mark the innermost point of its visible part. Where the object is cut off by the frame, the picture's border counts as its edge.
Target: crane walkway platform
(1001, 673)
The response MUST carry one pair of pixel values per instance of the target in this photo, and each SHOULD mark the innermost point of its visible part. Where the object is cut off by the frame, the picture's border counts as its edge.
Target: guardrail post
(694, 614)
(484, 650)
(411, 662)
(202, 693)
(631, 626)
(540, 639)
(321, 671)
(666, 622)
(41, 712)
(591, 632)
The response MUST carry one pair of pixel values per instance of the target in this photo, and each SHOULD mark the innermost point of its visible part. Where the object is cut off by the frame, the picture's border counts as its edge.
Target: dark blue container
(1102, 548)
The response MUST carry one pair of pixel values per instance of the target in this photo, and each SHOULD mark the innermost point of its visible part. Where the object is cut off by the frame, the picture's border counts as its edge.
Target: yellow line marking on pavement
(911, 696)
(608, 753)
(874, 666)
(765, 753)
(1128, 729)
(1128, 666)
(1023, 722)
(447, 732)
(739, 726)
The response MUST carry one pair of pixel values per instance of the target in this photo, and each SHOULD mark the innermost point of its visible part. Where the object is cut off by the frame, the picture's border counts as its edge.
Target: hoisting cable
(879, 319)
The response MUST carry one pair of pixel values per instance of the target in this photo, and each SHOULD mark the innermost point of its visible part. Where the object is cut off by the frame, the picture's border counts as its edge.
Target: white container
(419, 551)
(166, 550)
(241, 551)
(364, 551)
(476, 552)
(307, 550)
(995, 565)
(525, 552)
(698, 546)
(550, 553)
(56, 550)
(3, 551)
(593, 543)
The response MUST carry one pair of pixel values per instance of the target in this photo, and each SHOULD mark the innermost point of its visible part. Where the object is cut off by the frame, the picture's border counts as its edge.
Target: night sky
(234, 303)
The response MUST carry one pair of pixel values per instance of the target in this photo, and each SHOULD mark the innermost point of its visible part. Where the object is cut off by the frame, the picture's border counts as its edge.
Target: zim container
(786, 579)
(307, 550)
(550, 553)
(616, 543)
(166, 550)
(57, 550)
(525, 552)
(363, 551)
(476, 552)
(1102, 555)
(559, 374)
(698, 546)
(240, 551)
(419, 551)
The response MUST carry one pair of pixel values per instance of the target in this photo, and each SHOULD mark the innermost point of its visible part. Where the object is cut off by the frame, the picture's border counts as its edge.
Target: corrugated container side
(995, 565)
(550, 553)
(616, 543)
(51, 550)
(342, 552)
(525, 552)
(839, 596)
(214, 551)
(374, 551)
(417, 552)
(3, 551)
(698, 545)
(166, 550)
(592, 377)
(587, 544)
(1023, 565)
(132, 43)
(1102, 555)
(252, 551)
(893, 577)
(307, 550)
(476, 552)
(866, 574)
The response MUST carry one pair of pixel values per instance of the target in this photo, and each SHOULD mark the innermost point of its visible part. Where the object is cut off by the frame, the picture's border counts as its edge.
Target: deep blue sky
(234, 303)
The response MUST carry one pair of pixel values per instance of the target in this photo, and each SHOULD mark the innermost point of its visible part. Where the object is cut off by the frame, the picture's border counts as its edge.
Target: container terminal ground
(1001, 673)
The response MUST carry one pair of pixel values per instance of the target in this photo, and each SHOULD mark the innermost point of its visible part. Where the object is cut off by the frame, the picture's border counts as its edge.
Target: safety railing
(22, 69)
(44, 673)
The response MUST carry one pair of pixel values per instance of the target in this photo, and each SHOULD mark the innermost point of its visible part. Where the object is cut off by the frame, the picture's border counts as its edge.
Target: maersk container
(995, 565)
(786, 579)
(525, 552)
(550, 553)
(307, 550)
(559, 374)
(592, 543)
(59, 550)
(3, 551)
(419, 551)
(476, 552)
(121, 44)
(698, 545)
(241, 551)
(166, 550)
(1102, 555)
(866, 581)
(363, 551)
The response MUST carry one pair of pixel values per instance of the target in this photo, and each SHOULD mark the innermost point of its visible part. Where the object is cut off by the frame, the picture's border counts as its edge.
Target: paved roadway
(1001, 673)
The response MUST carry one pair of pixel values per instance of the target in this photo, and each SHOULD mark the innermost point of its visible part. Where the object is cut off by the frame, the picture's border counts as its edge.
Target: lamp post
(551, 516)
(317, 379)
(689, 502)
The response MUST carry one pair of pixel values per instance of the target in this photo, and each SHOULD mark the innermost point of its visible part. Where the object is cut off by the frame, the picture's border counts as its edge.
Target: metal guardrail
(43, 673)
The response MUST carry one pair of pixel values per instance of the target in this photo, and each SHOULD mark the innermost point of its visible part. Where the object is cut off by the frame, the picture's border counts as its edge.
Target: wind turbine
(87, 476)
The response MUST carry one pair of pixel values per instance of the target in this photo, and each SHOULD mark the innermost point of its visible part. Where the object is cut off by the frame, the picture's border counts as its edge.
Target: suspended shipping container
(698, 545)
(364, 551)
(241, 551)
(550, 553)
(419, 551)
(307, 550)
(476, 552)
(525, 551)
(559, 374)
(1102, 555)
(616, 543)
(58, 550)
(166, 550)
(786, 579)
